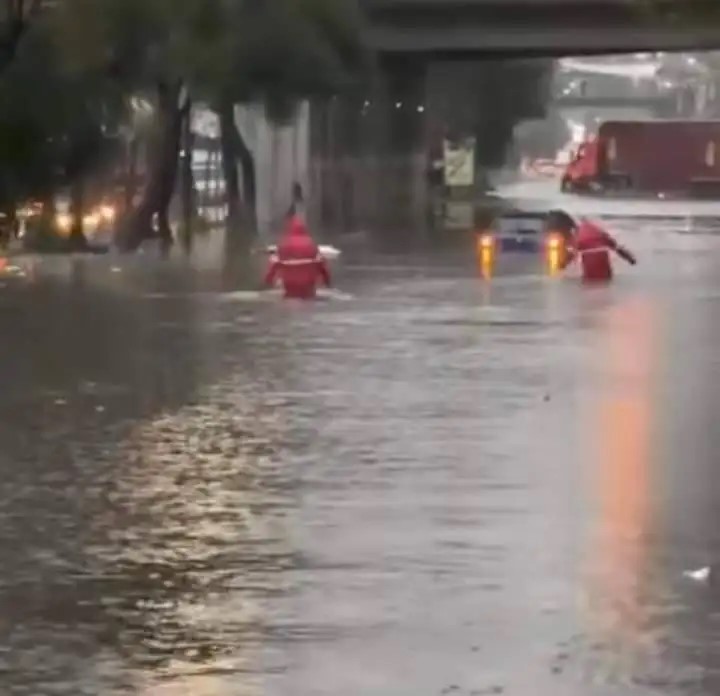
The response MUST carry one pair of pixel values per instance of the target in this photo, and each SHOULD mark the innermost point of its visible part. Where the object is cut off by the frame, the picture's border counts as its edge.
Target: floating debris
(700, 575)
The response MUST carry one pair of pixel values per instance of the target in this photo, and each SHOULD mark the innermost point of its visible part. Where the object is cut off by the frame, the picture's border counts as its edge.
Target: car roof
(522, 214)
(517, 222)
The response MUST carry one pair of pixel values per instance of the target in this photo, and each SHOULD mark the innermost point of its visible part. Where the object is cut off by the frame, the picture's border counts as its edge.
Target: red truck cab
(583, 169)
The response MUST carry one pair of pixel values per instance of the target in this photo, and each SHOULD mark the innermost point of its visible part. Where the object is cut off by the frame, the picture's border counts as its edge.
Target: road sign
(459, 161)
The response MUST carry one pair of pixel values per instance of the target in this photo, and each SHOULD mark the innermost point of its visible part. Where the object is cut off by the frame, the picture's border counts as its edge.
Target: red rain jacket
(298, 263)
(593, 245)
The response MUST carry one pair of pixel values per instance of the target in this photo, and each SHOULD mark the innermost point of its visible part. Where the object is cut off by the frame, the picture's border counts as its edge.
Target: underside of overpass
(450, 69)
(523, 28)
(377, 150)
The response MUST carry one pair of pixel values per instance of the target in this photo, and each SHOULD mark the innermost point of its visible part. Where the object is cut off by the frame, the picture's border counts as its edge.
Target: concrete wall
(282, 157)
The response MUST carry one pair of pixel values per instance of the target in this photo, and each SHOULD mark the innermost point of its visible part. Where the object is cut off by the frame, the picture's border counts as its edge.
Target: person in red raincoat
(592, 245)
(298, 263)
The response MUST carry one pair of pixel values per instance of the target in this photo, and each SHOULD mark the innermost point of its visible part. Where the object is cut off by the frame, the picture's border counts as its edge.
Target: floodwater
(541, 192)
(428, 484)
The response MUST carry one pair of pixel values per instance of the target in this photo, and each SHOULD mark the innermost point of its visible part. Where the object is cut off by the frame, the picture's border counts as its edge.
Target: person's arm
(324, 271)
(626, 255)
(272, 271)
(621, 251)
(569, 256)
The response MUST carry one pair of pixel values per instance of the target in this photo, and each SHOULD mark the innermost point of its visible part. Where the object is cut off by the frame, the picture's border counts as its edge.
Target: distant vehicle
(518, 238)
(675, 158)
(97, 220)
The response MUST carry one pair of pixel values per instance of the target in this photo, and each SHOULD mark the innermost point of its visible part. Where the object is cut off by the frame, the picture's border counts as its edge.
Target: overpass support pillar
(374, 151)
(398, 153)
(369, 159)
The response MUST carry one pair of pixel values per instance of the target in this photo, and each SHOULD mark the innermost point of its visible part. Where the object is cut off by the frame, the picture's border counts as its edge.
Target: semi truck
(674, 158)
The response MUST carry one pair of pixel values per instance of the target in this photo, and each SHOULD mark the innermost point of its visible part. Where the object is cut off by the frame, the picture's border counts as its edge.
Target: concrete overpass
(444, 76)
(526, 28)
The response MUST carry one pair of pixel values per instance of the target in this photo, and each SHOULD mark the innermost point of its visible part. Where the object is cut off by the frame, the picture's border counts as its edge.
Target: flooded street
(429, 484)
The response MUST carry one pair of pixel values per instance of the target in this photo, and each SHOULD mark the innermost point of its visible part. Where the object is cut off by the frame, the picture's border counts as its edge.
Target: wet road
(432, 485)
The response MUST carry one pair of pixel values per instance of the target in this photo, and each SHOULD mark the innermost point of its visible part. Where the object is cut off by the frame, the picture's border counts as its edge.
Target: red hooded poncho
(593, 245)
(298, 263)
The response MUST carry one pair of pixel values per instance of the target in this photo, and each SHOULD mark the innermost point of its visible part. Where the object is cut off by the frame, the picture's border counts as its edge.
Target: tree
(16, 18)
(274, 53)
(53, 125)
(222, 51)
(133, 42)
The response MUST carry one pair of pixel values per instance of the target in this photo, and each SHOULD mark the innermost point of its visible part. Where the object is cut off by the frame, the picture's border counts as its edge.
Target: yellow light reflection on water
(206, 538)
(623, 424)
(228, 683)
(485, 251)
(554, 253)
(487, 264)
(554, 261)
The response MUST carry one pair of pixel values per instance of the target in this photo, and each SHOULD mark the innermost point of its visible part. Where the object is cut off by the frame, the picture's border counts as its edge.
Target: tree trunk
(18, 16)
(43, 232)
(77, 240)
(156, 198)
(229, 164)
(241, 210)
(49, 209)
(6, 233)
(247, 164)
(131, 174)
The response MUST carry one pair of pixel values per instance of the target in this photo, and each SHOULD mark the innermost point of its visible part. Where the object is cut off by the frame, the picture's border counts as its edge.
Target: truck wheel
(566, 186)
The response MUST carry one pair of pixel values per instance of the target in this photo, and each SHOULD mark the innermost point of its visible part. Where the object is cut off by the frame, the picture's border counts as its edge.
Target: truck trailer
(675, 158)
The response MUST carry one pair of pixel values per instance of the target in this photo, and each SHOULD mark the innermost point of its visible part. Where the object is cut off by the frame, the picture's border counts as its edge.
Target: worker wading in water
(298, 264)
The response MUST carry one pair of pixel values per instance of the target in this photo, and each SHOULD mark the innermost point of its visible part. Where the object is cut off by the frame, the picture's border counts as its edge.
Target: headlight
(91, 221)
(554, 243)
(486, 242)
(64, 221)
(107, 213)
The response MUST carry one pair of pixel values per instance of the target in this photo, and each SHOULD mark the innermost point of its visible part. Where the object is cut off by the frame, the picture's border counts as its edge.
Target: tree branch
(19, 16)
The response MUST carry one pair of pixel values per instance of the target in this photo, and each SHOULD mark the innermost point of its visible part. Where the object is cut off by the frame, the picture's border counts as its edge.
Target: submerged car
(519, 231)
(518, 240)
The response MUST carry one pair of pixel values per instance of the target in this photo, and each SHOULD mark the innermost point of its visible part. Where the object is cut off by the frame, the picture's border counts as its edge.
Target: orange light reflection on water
(486, 262)
(623, 425)
(554, 259)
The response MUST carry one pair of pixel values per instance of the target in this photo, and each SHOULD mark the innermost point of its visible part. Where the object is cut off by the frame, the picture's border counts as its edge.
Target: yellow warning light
(486, 242)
